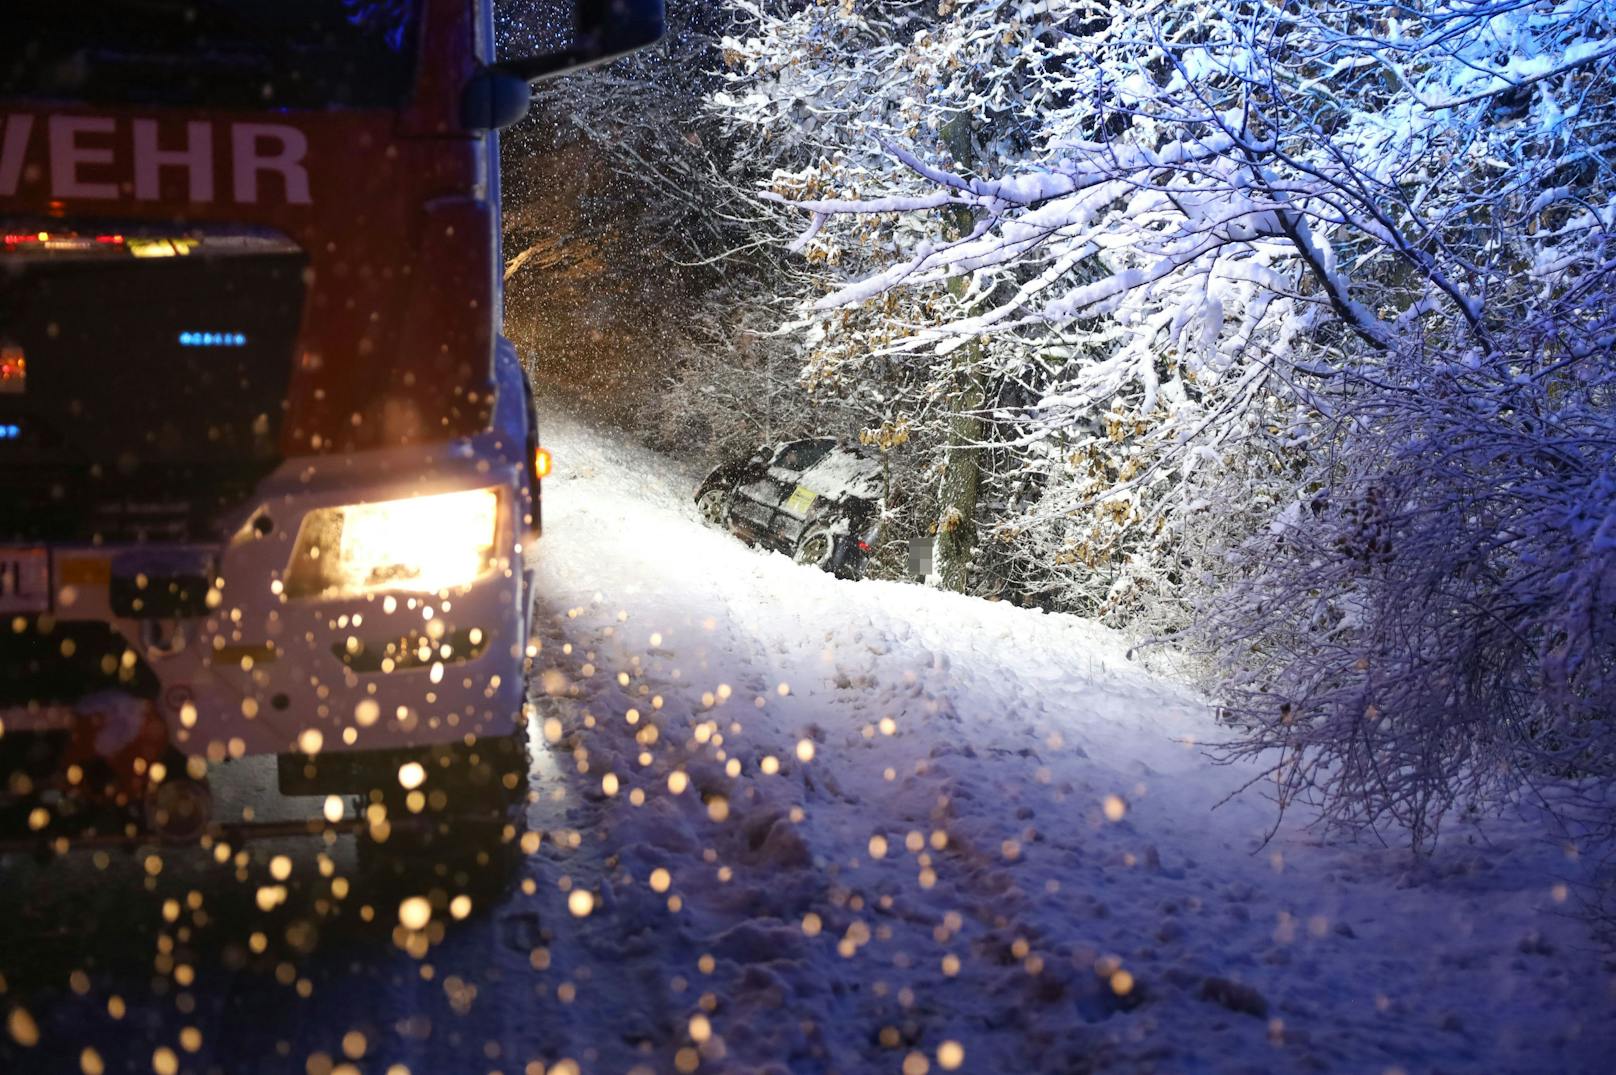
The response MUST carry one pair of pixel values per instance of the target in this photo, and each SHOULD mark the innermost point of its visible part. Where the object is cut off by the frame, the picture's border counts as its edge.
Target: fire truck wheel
(177, 811)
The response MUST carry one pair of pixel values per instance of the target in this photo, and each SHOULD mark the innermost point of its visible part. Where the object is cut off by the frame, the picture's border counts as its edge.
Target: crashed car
(817, 501)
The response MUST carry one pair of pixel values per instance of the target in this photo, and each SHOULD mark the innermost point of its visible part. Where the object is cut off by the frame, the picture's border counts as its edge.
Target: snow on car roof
(844, 473)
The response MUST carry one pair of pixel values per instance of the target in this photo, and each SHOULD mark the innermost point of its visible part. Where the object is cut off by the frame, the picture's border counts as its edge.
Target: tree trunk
(962, 465)
(956, 515)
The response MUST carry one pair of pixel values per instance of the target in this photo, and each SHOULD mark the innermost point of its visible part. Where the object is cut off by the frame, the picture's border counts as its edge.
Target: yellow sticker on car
(800, 501)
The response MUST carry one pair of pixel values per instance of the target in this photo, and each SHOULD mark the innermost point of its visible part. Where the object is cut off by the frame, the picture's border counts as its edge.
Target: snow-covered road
(792, 825)
(870, 827)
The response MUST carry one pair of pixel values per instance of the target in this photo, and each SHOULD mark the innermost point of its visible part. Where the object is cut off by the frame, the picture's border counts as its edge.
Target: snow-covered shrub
(1434, 626)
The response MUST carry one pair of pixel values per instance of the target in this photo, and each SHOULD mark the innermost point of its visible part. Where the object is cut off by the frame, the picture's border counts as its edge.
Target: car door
(799, 497)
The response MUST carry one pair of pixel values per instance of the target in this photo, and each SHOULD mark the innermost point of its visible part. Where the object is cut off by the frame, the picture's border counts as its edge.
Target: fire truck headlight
(423, 544)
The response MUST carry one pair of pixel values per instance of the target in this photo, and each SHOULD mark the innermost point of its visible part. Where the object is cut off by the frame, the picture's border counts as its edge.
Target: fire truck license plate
(24, 580)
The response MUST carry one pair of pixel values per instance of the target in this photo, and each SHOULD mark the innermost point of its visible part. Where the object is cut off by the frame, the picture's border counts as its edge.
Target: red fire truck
(269, 476)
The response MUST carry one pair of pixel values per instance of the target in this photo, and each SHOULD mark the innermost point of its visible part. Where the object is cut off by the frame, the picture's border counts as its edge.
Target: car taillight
(541, 462)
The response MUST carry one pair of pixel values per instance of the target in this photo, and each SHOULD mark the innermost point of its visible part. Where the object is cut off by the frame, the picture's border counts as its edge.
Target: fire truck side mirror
(493, 100)
(606, 29)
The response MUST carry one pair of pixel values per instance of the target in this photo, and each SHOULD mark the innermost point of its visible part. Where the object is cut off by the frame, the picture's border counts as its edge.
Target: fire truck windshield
(210, 53)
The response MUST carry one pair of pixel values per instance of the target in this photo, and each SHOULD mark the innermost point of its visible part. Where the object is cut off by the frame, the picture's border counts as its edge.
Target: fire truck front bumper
(369, 602)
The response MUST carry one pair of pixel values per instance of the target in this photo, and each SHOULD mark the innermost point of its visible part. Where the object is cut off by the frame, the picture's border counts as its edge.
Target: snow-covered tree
(907, 107)
(1330, 267)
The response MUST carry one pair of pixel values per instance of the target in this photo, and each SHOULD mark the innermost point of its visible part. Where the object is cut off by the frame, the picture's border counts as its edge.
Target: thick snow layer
(880, 828)
(842, 473)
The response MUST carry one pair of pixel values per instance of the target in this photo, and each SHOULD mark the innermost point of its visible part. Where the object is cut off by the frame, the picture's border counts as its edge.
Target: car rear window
(219, 53)
(802, 454)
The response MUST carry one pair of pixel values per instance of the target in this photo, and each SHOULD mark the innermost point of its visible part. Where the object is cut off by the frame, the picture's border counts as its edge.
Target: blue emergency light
(213, 339)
